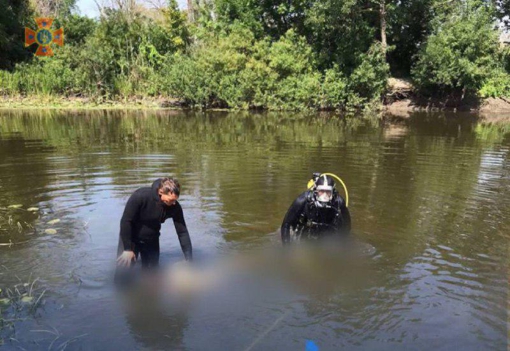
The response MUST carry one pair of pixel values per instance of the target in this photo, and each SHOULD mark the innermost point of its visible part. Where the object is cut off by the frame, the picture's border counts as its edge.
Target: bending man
(141, 222)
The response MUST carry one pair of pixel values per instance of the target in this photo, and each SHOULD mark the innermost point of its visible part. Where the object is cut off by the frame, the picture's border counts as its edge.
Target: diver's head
(324, 190)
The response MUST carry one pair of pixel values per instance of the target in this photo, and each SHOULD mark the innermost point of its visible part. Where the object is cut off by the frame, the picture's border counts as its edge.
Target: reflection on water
(429, 193)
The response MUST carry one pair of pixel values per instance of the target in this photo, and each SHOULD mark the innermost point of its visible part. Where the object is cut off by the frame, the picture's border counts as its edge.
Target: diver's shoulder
(301, 199)
(340, 200)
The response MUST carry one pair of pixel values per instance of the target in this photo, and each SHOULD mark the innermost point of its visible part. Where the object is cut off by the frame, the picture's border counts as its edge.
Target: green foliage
(298, 83)
(119, 55)
(461, 53)
(210, 74)
(339, 32)
(409, 24)
(297, 92)
(43, 76)
(323, 54)
(14, 16)
(291, 55)
(334, 89)
(58, 9)
(125, 51)
(498, 85)
(175, 27)
(505, 58)
(369, 79)
(77, 29)
(65, 8)
(270, 17)
(236, 70)
(186, 79)
(240, 11)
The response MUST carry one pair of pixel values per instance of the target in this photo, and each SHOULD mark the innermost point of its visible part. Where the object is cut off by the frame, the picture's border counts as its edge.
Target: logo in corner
(44, 36)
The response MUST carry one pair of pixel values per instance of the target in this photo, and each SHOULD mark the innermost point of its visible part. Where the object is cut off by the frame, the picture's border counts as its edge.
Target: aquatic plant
(19, 302)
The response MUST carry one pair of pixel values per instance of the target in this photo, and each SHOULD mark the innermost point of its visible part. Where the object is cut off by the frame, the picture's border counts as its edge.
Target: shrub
(460, 54)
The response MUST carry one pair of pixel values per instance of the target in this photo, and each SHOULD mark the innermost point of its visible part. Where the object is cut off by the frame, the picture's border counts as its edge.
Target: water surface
(429, 193)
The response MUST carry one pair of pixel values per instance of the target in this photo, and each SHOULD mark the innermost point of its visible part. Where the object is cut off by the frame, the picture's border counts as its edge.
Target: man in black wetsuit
(318, 212)
(141, 222)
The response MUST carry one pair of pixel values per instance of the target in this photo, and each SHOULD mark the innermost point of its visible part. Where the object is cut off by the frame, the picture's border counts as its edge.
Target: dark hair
(170, 185)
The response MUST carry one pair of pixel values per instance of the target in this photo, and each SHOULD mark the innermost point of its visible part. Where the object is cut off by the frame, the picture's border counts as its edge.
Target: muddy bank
(416, 103)
(402, 99)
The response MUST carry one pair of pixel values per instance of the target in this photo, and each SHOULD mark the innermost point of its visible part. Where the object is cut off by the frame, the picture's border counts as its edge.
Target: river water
(428, 195)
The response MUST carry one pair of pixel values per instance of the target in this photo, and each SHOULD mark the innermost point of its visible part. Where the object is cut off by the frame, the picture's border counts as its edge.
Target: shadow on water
(429, 192)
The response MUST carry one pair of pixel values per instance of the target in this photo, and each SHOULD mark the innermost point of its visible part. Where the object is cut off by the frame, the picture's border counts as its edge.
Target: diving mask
(324, 193)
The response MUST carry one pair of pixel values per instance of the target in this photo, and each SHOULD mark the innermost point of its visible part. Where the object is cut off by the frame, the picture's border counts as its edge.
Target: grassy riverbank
(319, 55)
(492, 108)
(55, 102)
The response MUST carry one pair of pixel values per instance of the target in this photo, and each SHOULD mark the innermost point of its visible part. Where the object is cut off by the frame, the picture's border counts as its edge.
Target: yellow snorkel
(311, 183)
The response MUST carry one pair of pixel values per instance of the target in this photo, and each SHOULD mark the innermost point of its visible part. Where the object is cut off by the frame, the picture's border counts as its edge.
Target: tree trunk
(191, 13)
(382, 14)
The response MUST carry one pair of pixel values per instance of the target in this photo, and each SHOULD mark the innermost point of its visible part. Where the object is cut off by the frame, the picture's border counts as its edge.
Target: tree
(273, 17)
(340, 31)
(53, 8)
(14, 15)
(77, 28)
(176, 27)
(461, 53)
(409, 24)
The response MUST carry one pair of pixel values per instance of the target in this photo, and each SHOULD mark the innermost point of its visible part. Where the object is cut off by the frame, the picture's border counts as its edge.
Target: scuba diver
(317, 213)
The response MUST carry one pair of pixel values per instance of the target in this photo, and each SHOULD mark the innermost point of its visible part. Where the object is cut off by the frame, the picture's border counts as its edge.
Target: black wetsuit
(309, 221)
(141, 223)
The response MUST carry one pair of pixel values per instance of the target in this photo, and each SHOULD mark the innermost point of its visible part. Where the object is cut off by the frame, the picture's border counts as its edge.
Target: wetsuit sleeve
(182, 232)
(346, 217)
(129, 217)
(292, 217)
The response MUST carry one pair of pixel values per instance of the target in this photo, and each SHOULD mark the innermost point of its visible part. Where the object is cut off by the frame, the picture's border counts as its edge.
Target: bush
(297, 92)
(498, 85)
(460, 55)
(291, 55)
(211, 75)
(236, 70)
(42, 76)
(298, 82)
(186, 80)
(125, 54)
(77, 29)
(334, 89)
(369, 79)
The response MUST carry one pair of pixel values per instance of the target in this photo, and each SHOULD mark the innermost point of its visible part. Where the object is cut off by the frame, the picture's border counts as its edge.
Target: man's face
(324, 195)
(168, 199)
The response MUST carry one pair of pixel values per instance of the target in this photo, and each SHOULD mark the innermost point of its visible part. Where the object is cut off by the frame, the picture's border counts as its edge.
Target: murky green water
(430, 194)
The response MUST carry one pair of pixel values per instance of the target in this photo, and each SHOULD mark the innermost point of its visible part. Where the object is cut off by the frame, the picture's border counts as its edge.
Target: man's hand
(126, 258)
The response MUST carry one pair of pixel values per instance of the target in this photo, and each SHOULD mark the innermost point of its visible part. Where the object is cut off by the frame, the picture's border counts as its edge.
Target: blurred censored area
(310, 268)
